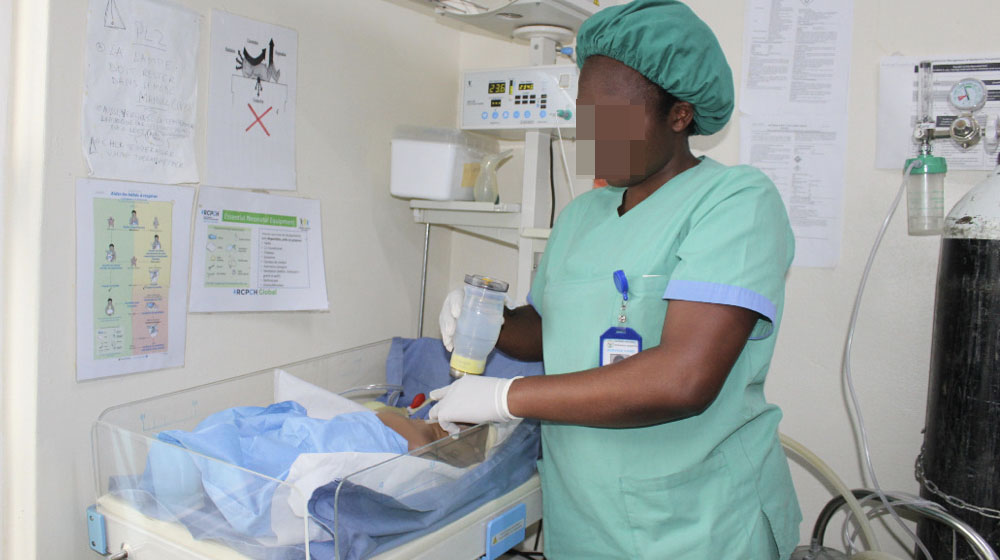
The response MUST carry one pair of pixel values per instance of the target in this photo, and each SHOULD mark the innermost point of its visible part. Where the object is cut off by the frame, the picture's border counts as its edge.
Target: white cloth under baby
(312, 470)
(404, 476)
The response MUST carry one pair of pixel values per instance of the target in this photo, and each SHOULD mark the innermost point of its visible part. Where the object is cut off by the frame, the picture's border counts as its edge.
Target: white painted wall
(892, 343)
(22, 255)
(367, 65)
(6, 14)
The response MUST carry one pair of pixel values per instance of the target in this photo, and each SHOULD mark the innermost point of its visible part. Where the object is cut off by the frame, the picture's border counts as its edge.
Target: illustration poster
(257, 252)
(251, 106)
(141, 91)
(132, 265)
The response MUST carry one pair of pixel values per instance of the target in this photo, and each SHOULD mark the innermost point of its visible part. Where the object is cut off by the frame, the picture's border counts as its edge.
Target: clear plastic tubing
(478, 325)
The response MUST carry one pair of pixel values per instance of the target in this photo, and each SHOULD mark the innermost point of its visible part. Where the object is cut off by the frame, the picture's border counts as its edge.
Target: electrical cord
(552, 186)
(569, 177)
(532, 554)
(831, 507)
(926, 508)
(568, 51)
(831, 477)
(847, 362)
(898, 500)
(975, 541)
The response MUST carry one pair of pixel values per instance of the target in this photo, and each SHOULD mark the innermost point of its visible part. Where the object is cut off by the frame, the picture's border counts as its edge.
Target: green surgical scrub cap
(668, 44)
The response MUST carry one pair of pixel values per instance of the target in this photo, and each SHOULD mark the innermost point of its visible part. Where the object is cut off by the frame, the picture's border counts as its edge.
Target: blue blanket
(420, 365)
(265, 440)
(371, 523)
(218, 502)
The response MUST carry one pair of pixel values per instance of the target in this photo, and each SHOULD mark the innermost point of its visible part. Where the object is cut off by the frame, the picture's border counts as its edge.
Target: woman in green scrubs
(655, 309)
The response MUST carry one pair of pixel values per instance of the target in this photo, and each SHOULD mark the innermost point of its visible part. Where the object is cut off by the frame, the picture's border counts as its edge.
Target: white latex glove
(471, 399)
(448, 319)
(451, 309)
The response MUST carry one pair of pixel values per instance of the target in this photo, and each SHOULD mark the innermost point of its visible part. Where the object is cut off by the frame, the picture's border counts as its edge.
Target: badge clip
(619, 341)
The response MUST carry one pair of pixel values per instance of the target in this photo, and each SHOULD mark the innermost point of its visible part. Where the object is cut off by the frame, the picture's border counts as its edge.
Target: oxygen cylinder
(959, 465)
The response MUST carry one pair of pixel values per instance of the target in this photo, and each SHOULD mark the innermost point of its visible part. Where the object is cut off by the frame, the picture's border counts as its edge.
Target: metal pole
(423, 281)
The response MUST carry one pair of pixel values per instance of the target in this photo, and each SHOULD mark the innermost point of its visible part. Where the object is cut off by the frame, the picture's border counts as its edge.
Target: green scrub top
(715, 485)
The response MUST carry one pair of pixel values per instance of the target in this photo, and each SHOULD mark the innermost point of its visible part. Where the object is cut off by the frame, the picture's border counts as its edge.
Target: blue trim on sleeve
(710, 292)
(532, 303)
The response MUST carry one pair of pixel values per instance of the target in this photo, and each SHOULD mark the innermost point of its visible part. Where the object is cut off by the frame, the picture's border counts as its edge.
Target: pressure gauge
(968, 95)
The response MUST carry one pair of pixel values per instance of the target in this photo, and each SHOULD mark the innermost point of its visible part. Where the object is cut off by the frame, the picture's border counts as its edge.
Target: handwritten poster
(141, 91)
(132, 264)
(251, 105)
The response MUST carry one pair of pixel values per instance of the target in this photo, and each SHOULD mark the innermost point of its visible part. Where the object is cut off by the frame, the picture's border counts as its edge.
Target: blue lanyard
(621, 284)
(619, 342)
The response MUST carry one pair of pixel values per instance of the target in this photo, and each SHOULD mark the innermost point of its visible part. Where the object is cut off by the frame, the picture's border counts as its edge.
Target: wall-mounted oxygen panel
(520, 98)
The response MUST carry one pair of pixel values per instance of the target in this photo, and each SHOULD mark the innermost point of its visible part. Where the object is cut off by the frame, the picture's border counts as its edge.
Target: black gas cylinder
(959, 465)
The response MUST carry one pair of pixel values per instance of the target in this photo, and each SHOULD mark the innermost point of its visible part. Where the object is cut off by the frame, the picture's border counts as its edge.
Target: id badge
(618, 343)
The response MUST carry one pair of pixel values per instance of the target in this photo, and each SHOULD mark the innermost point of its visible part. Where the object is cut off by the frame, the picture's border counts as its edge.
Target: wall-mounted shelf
(499, 222)
(536, 233)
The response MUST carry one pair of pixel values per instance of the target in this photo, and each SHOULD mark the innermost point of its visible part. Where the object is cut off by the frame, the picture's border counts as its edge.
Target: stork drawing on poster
(251, 123)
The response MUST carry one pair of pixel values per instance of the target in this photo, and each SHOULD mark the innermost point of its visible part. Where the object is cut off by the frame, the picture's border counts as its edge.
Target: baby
(417, 433)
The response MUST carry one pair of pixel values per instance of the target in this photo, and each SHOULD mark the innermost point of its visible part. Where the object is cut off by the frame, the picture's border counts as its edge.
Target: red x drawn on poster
(258, 117)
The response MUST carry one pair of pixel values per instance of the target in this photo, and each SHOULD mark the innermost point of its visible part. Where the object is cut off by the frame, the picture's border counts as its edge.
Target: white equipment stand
(524, 226)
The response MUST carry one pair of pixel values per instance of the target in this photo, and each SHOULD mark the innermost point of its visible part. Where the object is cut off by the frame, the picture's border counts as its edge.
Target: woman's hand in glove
(471, 399)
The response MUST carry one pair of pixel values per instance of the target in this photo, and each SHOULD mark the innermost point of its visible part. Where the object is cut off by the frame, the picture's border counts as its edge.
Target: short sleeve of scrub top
(737, 252)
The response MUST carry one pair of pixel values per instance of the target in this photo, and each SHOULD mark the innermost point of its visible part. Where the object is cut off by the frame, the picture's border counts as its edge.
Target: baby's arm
(417, 433)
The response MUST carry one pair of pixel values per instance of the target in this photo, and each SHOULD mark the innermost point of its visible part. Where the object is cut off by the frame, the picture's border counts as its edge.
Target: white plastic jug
(486, 183)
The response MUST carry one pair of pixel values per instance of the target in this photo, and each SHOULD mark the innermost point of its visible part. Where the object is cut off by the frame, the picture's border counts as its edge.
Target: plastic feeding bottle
(478, 325)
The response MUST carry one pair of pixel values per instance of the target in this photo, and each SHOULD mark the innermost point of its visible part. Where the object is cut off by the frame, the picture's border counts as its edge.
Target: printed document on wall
(132, 270)
(804, 156)
(796, 56)
(897, 110)
(257, 252)
(251, 104)
(141, 91)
